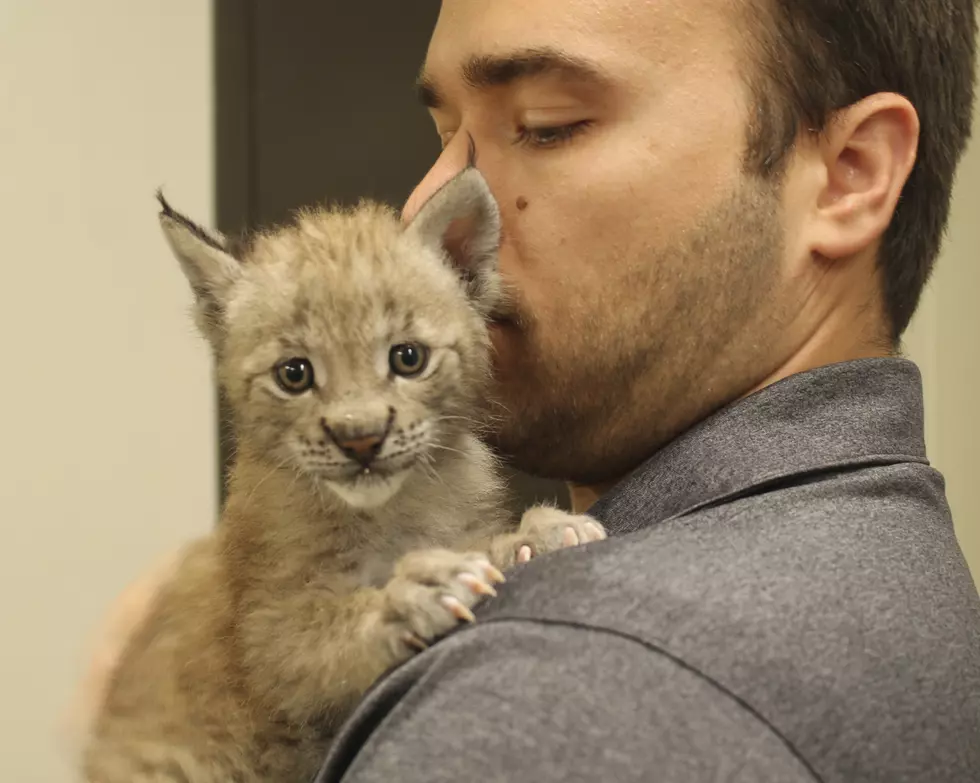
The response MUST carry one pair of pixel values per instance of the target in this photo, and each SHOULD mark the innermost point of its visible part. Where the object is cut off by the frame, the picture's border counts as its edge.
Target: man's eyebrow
(483, 72)
(426, 92)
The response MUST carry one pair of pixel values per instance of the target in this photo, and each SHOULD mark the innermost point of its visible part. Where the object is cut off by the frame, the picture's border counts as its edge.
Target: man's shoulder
(775, 550)
(826, 604)
(854, 565)
(833, 639)
(536, 701)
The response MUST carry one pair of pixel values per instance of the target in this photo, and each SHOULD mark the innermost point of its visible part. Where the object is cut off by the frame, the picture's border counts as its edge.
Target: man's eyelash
(550, 137)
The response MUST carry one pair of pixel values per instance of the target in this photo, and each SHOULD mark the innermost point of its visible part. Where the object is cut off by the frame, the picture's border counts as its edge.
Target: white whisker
(262, 480)
(426, 462)
(447, 448)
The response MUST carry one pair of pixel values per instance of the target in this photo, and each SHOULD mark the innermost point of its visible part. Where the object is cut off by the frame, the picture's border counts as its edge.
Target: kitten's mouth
(368, 487)
(370, 473)
(379, 470)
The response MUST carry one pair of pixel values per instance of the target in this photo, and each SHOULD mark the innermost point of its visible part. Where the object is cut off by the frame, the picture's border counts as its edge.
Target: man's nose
(452, 161)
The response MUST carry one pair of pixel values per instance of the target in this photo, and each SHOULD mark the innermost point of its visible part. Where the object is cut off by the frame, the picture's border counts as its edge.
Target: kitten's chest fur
(372, 565)
(421, 519)
(304, 541)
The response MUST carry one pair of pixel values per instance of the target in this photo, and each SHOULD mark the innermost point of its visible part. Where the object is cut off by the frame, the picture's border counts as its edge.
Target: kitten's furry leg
(314, 652)
(543, 529)
(431, 592)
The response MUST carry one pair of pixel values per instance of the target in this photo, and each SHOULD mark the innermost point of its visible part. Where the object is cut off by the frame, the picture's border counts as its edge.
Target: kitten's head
(352, 348)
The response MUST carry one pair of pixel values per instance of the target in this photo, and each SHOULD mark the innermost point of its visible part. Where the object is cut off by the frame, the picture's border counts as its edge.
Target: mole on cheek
(521, 203)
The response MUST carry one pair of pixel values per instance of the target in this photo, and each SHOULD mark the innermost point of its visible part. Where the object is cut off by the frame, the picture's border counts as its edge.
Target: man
(718, 220)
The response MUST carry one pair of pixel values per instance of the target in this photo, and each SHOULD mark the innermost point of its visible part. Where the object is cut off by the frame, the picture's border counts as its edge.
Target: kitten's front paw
(544, 529)
(430, 593)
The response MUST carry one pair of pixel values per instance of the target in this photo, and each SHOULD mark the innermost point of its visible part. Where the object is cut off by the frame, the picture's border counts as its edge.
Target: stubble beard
(680, 332)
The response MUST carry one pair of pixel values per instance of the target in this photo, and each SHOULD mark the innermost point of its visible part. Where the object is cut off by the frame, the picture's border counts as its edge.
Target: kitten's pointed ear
(462, 219)
(207, 264)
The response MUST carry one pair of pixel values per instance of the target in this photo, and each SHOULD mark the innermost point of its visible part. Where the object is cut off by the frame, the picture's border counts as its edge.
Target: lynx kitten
(364, 518)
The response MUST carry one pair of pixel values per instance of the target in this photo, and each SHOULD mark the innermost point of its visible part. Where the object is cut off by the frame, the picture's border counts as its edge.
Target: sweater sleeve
(528, 702)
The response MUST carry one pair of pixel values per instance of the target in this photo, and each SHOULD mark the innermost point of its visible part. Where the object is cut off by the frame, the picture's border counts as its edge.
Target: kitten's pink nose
(357, 444)
(363, 449)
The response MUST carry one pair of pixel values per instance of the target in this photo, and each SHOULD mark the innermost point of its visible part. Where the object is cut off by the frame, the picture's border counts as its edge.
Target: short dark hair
(810, 59)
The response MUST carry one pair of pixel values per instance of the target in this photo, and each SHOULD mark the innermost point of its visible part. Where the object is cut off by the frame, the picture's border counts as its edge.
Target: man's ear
(868, 151)
(462, 221)
(207, 264)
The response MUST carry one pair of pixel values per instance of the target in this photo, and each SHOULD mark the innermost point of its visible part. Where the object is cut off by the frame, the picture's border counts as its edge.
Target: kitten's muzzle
(356, 444)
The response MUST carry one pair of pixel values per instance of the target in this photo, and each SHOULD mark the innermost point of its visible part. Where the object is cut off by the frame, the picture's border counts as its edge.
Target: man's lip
(499, 327)
(499, 319)
(502, 332)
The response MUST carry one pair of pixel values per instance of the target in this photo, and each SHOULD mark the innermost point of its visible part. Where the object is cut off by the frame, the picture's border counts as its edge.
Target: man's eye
(546, 138)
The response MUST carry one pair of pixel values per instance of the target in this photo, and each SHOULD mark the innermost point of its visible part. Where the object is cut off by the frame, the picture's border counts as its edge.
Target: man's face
(645, 263)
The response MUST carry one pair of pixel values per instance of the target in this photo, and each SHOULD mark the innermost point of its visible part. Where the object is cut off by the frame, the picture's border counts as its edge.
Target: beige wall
(106, 421)
(945, 341)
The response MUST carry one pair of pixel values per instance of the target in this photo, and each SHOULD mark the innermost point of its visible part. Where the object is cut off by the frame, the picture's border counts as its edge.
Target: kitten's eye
(408, 359)
(294, 376)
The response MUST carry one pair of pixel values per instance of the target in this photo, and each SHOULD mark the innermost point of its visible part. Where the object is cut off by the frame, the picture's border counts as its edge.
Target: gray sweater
(782, 599)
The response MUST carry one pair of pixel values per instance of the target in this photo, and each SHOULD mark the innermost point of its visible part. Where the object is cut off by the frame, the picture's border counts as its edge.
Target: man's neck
(849, 336)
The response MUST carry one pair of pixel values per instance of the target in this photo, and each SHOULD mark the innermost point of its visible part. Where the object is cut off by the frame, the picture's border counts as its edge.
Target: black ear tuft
(215, 240)
(210, 269)
(164, 206)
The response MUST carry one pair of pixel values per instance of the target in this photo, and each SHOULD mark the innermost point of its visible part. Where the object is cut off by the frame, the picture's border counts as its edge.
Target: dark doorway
(315, 103)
